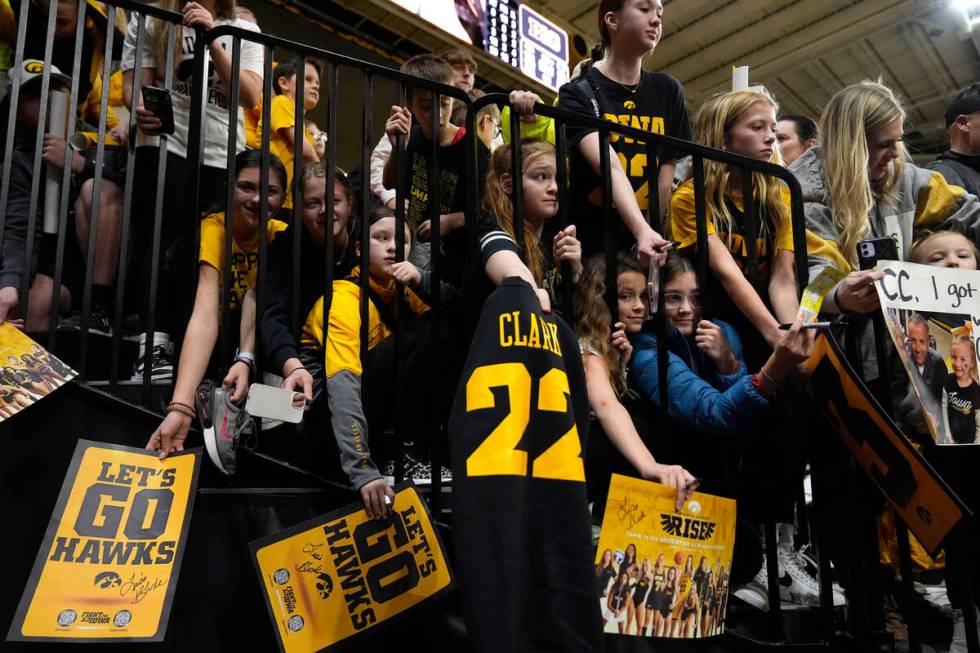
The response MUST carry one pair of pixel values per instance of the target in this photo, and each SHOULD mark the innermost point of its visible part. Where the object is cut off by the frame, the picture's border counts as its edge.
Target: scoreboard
(506, 30)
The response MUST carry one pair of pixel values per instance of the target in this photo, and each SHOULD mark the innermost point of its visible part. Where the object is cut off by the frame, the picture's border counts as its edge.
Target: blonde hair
(967, 341)
(712, 125)
(496, 200)
(851, 115)
(156, 29)
(917, 252)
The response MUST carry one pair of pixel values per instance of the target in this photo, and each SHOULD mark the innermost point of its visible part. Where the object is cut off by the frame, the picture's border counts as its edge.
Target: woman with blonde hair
(742, 122)
(636, 615)
(858, 184)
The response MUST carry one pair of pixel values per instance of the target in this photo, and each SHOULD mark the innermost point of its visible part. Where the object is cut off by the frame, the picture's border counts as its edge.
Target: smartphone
(653, 289)
(273, 403)
(158, 101)
(876, 249)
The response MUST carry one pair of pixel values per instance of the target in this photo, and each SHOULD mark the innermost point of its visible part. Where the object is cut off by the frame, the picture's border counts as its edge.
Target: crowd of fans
(732, 379)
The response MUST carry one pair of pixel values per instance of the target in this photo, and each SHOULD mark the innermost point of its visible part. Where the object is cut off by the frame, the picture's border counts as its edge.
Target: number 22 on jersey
(498, 454)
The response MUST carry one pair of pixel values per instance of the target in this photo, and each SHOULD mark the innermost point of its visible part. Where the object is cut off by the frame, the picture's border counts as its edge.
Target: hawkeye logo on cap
(34, 67)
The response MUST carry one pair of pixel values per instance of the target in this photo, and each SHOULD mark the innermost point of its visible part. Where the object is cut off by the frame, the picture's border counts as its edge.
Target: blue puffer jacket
(698, 397)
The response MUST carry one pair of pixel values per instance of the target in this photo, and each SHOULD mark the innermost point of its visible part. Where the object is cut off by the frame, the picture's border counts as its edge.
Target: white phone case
(273, 403)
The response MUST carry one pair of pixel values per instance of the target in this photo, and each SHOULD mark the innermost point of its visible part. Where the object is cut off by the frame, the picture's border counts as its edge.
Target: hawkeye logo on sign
(109, 561)
(335, 577)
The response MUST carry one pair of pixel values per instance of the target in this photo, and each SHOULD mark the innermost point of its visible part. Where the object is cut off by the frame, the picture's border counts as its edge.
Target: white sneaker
(801, 587)
(754, 595)
(958, 643)
(810, 563)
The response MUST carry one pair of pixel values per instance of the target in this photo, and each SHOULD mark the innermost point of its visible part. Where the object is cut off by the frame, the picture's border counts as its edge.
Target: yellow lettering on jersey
(538, 333)
(563, 459)
(498, 453)
(546, 338)
(519, 340)
(554, 338)
(505, 338)
(533, 336)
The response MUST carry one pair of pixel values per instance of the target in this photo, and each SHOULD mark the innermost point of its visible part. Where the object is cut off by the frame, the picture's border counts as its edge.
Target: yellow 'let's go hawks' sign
(334, 577)
(108, 566)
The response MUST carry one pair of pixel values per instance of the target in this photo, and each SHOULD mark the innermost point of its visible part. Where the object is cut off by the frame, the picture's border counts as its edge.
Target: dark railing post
(42, 121)
(66, 179)
(367, 147)
(434, 175)
(398, 151)
(96, 212)
(751, 215)
(561, 173)
(230, 189)
(908, 589)
(608, 229)
(517, 182)
(701, 227)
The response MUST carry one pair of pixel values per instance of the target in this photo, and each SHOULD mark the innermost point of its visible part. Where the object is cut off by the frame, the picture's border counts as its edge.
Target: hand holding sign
(333, 578)
(857, 294)
(111, 556)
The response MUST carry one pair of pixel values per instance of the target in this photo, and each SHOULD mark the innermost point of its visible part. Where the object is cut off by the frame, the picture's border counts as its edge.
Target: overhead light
(970, 10)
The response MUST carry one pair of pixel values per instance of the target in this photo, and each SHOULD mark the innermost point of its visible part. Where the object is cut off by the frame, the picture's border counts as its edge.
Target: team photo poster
(108, 566)
(660, 572)
(28, 373)
(932, 315)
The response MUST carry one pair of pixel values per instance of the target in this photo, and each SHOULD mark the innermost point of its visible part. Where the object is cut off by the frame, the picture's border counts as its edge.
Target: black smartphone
(158, 101)
(876, 249)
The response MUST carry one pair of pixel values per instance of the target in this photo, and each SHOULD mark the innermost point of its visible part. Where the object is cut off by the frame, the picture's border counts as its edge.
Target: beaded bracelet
(182, 408)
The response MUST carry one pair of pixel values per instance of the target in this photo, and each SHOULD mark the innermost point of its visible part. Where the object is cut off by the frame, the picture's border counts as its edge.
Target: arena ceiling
(803, 51)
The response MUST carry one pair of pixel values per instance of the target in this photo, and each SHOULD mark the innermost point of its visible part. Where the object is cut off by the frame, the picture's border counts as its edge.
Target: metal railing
(189, 213)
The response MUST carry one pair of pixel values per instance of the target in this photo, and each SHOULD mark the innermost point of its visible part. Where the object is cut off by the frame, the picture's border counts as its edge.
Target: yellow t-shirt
(252, 117)
(684, 228)
(282, 115)
(343, 348)
(245, 256)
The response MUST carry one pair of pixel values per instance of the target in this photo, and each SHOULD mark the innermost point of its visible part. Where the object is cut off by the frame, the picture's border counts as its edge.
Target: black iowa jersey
(656, 105)
(521, 521)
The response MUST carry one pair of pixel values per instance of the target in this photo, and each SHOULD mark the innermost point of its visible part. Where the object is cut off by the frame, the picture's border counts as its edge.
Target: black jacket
(14, 252)
(961, 170)
(279, 340)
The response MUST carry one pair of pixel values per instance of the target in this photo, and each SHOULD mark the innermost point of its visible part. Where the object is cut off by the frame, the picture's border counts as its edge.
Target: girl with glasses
(710, 389)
